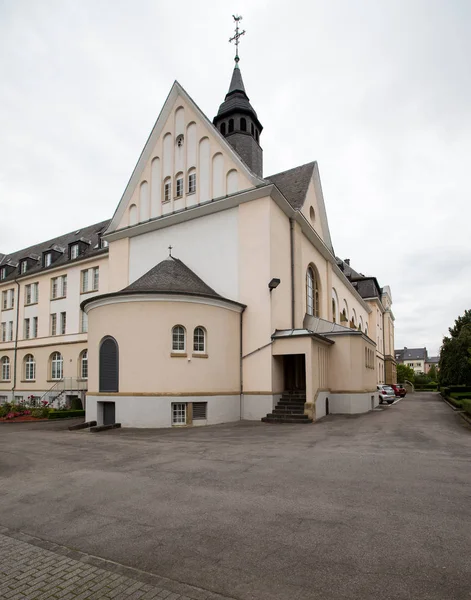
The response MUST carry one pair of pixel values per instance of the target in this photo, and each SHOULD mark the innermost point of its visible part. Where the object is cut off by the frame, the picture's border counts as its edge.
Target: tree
(432, 373)
(454, 364)
(405, 373)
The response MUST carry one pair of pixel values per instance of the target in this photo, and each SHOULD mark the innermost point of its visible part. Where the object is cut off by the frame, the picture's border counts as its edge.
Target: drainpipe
(291, 241)
(15, 352)
(241, 371)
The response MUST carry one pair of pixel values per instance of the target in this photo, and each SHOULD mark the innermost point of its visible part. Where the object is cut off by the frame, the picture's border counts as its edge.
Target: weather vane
(237, 35)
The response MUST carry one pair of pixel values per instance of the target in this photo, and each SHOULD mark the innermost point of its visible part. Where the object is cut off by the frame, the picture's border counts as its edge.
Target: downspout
(291, 241)
(241, 371)
(15, 352)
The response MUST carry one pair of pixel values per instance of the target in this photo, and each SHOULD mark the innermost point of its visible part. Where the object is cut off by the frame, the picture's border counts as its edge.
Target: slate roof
(367, 287)
(433, 360)
(171, 276)
(236, 99)
(91, 234)
(293, 183)
(411, 354)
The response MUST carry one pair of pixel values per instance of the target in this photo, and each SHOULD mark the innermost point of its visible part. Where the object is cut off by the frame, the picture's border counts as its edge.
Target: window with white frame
(178, 413)
(178, 339)
(63, 322)
(96, 278)
(10, 331)
(57, 365)
(59, 287)
(26, 329)
(34, 328)
(31, 293)
(84, 281)
(54, 324)
(312, 293)
(4, 299)
(30, 367)
(167, 190)
(84, 365)
(5, 368)
(23, 266)
(83, 322)
(48, 259)
(3, 328)
(192, 182)
(8, 299)
(3, 273)
(74, 251)
(199, 340)
(179, 185)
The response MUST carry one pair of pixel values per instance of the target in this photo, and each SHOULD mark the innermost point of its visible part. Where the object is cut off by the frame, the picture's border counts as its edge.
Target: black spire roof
(236, 99)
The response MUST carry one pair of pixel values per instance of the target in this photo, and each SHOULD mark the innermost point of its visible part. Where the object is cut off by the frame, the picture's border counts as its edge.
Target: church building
(212, 295)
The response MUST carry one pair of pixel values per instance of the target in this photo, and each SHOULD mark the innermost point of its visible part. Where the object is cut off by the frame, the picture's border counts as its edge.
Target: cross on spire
(236, 37)
(170, 250)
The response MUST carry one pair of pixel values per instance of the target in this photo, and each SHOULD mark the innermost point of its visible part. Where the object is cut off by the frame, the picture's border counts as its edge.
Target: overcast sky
(377, 91)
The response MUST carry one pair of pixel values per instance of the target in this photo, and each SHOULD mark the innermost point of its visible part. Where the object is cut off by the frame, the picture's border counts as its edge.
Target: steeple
(237, 121)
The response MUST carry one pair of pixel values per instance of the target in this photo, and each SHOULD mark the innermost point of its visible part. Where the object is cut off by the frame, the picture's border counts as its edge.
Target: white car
(386, 393)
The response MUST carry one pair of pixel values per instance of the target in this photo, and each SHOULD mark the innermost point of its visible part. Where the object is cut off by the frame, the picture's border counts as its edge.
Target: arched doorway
(109, 365)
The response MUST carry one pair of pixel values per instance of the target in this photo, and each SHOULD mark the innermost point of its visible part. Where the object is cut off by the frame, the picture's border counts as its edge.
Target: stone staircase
(289, 409)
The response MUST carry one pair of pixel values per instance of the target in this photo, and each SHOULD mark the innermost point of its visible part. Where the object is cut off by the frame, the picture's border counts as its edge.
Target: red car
(399, 389)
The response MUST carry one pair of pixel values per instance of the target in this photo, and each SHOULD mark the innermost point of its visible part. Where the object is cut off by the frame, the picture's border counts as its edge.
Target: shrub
(460, 395)
(65, 414)
(40, 413)
(4, 410)
(457, 403)
(467, 405)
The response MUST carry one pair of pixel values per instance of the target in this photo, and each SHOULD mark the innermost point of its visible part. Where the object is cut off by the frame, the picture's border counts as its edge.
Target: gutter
(15, 352)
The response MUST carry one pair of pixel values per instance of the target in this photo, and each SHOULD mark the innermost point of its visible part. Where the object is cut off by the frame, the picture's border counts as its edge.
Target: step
(270, 419)
(298, 417)
(293, 398)
(286, 410)
(290, 403)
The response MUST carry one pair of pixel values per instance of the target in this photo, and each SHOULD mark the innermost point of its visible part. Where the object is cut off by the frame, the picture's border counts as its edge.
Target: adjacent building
(213, 293)
(416, 358)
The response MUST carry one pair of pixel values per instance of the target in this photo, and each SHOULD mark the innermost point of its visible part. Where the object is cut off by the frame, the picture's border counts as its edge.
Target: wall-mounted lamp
(274, 283)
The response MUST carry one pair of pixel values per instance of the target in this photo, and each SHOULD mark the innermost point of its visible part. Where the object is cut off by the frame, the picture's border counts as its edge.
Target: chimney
(347, 260)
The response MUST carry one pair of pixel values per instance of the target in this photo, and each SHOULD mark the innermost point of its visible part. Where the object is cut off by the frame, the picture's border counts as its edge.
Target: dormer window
(23, 266)
(103, 243)
(47, 259)
(3, 273)
(74, 251)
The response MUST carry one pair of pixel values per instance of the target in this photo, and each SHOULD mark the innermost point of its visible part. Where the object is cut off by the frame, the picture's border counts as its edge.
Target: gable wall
(202, 152)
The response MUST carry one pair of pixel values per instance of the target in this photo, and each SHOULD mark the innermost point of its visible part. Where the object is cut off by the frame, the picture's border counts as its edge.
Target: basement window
(178, 413)
(200, 410)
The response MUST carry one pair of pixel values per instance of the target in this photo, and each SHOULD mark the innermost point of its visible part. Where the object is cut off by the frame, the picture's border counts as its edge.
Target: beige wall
(348, 371)
(143, 331)
(118, 265)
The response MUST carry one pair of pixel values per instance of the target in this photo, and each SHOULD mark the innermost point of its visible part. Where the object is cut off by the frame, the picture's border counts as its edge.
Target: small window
(200, 410)
(179, 186)
(223, 128)
(192, 182)
(84, 365)
(231, 125)
(178, 413)
(256, 135)
(47, 260)
(96, 278)
(30, 367)
(24, 266)
(26, 329)
(178, 339)
(3, 273)
(74, 251)
(63, 322)
(180, 140)
(5, 368)
(167, 191)
(34, 330)
(252, 129)
(243, 124)
(54, 324)
(199, 340)
(83, 322)
(103, 243)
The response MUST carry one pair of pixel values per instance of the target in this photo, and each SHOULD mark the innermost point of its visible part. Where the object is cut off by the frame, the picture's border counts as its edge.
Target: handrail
(66, 383)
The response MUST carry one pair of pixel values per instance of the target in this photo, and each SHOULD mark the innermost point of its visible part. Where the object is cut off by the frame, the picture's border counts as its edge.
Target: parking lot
(370, 506)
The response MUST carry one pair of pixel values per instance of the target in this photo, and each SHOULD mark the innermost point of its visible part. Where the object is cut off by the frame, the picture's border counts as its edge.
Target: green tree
(405, 373)
(454, 364)
(432, 373)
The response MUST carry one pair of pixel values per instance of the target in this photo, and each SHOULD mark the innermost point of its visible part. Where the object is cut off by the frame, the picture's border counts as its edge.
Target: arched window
(57, 366)
(223, 128)
(252, 129)
(178, 339)
(256, 134)
(335, 306)
(167, 189)
(243, 124)
(30, 367)
(312, 293)
(5, 368)
(192, 181)
(109, 365)
(366, 329)
(83, 365)
(179, 185)
(360, 324)
(231, 125)
(199, 340)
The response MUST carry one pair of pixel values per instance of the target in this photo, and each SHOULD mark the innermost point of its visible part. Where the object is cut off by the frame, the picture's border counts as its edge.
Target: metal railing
(66, 384)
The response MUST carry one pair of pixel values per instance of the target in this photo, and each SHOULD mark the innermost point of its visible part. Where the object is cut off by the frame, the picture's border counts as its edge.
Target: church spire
(236, 120)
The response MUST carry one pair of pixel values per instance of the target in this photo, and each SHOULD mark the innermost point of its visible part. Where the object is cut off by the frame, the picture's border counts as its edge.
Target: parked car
(386, 394)
(399, 389)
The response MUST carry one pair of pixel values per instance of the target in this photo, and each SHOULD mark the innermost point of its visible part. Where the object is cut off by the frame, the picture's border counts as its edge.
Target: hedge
(456, 388)
(460, 395)
(457, 403)
(65, 414)
(467, 406)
